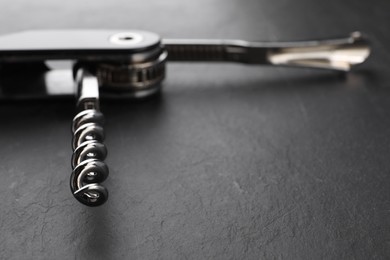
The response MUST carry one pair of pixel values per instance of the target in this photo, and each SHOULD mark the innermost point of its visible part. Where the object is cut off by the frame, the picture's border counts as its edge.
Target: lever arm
(336, 54)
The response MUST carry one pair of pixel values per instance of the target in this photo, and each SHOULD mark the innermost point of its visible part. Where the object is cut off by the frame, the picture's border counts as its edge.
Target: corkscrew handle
(89, 152)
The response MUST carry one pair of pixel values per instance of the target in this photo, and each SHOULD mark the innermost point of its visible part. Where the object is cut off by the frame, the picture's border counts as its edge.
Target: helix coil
(89, 153)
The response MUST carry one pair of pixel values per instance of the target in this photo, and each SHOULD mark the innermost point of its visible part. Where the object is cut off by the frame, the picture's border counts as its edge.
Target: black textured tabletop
(229, 162)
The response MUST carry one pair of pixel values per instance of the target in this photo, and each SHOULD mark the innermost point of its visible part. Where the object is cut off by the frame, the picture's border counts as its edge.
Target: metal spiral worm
(89, 152)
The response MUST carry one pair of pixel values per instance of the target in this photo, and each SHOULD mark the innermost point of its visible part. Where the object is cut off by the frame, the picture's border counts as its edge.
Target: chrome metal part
(133, 78)
(339, 54)
(89, 152)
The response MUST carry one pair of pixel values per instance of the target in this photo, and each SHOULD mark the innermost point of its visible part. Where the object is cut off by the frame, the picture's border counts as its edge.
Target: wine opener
(131, 64)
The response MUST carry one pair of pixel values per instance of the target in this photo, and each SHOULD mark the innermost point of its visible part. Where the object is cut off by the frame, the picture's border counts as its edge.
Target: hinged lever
(337, 54)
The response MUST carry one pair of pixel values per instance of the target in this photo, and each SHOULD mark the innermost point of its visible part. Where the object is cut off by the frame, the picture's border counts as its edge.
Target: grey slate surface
(229, 162)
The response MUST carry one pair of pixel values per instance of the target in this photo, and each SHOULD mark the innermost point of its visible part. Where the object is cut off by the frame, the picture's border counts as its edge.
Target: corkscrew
(131, 64)
(89, 151)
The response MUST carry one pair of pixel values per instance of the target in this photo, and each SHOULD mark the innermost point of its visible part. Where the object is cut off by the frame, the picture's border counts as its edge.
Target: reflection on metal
(326, 55)
(58, 82)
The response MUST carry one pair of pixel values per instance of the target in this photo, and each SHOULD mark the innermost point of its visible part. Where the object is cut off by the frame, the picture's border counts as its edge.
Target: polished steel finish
(133, 78)
(89, 152)
(87, 132)
(87, 116)
(339, 54)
